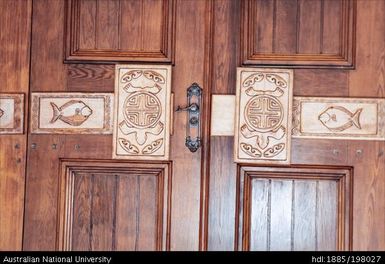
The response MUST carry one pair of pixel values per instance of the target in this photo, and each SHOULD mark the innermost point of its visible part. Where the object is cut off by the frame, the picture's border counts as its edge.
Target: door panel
(299, 34)
(41, 217)
(120, 30)
(308, 82)
(114, 206)
(336, 49)
(15, 21)
(296, 208)
(222, 180)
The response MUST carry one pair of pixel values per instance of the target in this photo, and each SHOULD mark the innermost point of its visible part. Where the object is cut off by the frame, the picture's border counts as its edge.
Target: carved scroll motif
(263, 115)
(142, 111)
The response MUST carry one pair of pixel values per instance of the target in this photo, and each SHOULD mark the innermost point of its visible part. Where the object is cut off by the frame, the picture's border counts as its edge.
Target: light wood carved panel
(11, 113)
(301, 33)
(120, 30)
(142, 112)
(347, 118)
(222, 115)
(71, 113)
(106, 205)
(296, 208)
(263, 115)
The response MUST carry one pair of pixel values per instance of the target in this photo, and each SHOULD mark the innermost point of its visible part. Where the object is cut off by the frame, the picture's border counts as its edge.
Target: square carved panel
(120, 30)
(114, 205)
(303, 34)
(263, 115)
(294, 208)
(346, 118)
(71, 113)
(11, 113)
(142, 112)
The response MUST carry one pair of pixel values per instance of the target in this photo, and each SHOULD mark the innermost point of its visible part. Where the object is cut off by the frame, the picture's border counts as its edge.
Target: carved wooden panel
(263, 115)
(114, 206)
(120, 30)
(71, 113)
(299, 33)
(142, 112)
(11, 113)
(294, 208)
(348, 118)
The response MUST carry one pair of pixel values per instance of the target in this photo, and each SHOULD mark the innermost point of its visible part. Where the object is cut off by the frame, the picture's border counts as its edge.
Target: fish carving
(338, 118)
(1, 112)
(74, 112)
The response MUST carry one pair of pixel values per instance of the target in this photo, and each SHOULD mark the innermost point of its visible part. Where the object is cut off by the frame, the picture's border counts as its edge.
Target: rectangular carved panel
(142, 112)
(347, 118)
(294, 208)
(71, 113)
(263, 115)
(299, 33)
(114, 206)
(11, 113)
(120, 30)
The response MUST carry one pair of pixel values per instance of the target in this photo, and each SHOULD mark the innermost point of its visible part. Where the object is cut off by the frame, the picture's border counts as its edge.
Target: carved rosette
(263, 118)
(142, 112)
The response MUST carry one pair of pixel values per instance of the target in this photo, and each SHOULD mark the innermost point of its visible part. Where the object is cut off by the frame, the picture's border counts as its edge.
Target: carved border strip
(226, 125)
(36, 116)
(18, 115)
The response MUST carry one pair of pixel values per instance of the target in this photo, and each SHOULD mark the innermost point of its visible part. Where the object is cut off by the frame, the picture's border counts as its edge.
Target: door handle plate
(193, 123)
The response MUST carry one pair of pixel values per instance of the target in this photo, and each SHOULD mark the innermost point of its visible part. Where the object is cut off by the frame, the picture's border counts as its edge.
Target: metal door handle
(193, 127)
(191, 108)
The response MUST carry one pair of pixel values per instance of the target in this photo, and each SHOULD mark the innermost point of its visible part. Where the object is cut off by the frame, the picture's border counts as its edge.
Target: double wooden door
(66, 191)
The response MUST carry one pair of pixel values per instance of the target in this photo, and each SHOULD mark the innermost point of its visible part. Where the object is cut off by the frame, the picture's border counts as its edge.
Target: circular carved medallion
(142, 109)
(264, 113)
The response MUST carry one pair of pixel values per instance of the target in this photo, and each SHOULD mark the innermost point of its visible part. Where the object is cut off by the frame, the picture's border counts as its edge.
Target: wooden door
(65, 190)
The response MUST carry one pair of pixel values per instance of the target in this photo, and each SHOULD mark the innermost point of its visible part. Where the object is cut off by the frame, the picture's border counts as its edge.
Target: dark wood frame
(345, 59)
(73, 54)
(68, 168)
(343, 175)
